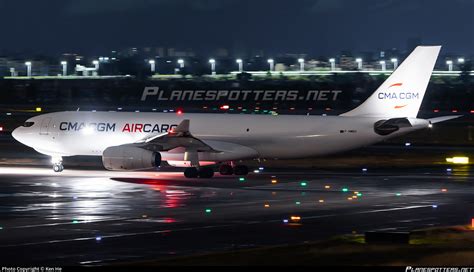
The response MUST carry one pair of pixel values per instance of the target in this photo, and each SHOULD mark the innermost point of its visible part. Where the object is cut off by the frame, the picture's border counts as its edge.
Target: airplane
(132, 141)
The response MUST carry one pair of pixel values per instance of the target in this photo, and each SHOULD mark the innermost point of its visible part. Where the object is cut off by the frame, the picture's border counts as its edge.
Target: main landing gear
(239, 170)
(202, 172)
(208, 172)
(57, 164)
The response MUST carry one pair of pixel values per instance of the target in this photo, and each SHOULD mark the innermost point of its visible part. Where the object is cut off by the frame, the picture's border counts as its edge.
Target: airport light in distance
(271, 62)
(301, 62)
(333, 64)
(395, 63)
(450, 65)
(241, 65)
(181, 63)
(213, 66)
(383, 65)
(28, 68)
(359, 63)
(152, 65)
(64, 65)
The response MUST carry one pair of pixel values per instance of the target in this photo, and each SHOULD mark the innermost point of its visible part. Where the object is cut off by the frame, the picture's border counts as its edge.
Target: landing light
(458, 160)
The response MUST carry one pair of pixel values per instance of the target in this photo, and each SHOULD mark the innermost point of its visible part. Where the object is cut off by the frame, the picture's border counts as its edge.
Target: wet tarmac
(96, 217)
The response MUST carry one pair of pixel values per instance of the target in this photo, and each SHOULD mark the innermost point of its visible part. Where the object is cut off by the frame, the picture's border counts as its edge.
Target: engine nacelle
(130, 158)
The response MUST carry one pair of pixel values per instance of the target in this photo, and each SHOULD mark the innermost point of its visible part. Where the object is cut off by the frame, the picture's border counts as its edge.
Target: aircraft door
(44, 129)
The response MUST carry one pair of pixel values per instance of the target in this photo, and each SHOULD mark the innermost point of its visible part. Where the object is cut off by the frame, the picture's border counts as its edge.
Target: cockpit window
(28, 124)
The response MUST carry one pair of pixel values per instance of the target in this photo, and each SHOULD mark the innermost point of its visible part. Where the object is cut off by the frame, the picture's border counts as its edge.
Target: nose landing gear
(58, 167)
(57, 164)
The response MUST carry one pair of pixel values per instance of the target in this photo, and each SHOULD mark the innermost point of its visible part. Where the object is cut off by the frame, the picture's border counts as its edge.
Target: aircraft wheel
(226, 169)
(206, 172)
(241, 170)
(58, 167)
(191, 172)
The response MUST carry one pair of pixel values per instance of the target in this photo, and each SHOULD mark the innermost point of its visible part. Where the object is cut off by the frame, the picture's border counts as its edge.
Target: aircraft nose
(17, 135)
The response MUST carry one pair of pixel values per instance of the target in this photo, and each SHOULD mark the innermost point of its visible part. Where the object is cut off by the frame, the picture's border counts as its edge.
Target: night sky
(318, 27)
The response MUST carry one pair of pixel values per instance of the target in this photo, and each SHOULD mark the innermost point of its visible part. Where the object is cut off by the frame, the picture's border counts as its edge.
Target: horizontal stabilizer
(443, 118)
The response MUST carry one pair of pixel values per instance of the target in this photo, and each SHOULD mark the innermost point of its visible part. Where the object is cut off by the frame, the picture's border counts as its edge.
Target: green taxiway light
(345, 190)
(297, 203)
(303, 183)
(208, 210)
(398, 194)
(359, 194)
(241, 179)
(75, 221)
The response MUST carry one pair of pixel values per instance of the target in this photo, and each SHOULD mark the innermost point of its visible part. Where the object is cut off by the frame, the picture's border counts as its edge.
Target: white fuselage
(281, 136)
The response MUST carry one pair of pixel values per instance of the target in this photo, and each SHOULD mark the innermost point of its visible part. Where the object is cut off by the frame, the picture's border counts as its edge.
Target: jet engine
(130, 158)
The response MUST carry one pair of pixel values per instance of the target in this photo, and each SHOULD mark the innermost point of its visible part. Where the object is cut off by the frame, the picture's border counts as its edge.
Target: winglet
(183, 127)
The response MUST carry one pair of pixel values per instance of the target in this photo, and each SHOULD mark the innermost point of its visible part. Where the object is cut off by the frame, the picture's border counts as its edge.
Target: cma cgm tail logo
(392, 94)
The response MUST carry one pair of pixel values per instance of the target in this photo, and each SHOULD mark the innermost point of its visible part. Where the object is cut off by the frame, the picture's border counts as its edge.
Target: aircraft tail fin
(402, 93)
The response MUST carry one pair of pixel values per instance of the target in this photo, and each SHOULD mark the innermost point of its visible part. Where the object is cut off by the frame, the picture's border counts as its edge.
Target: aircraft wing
(177, 137)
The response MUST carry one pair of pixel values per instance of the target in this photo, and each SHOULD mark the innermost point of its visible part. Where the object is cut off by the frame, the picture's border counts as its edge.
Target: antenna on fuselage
(78, 109)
